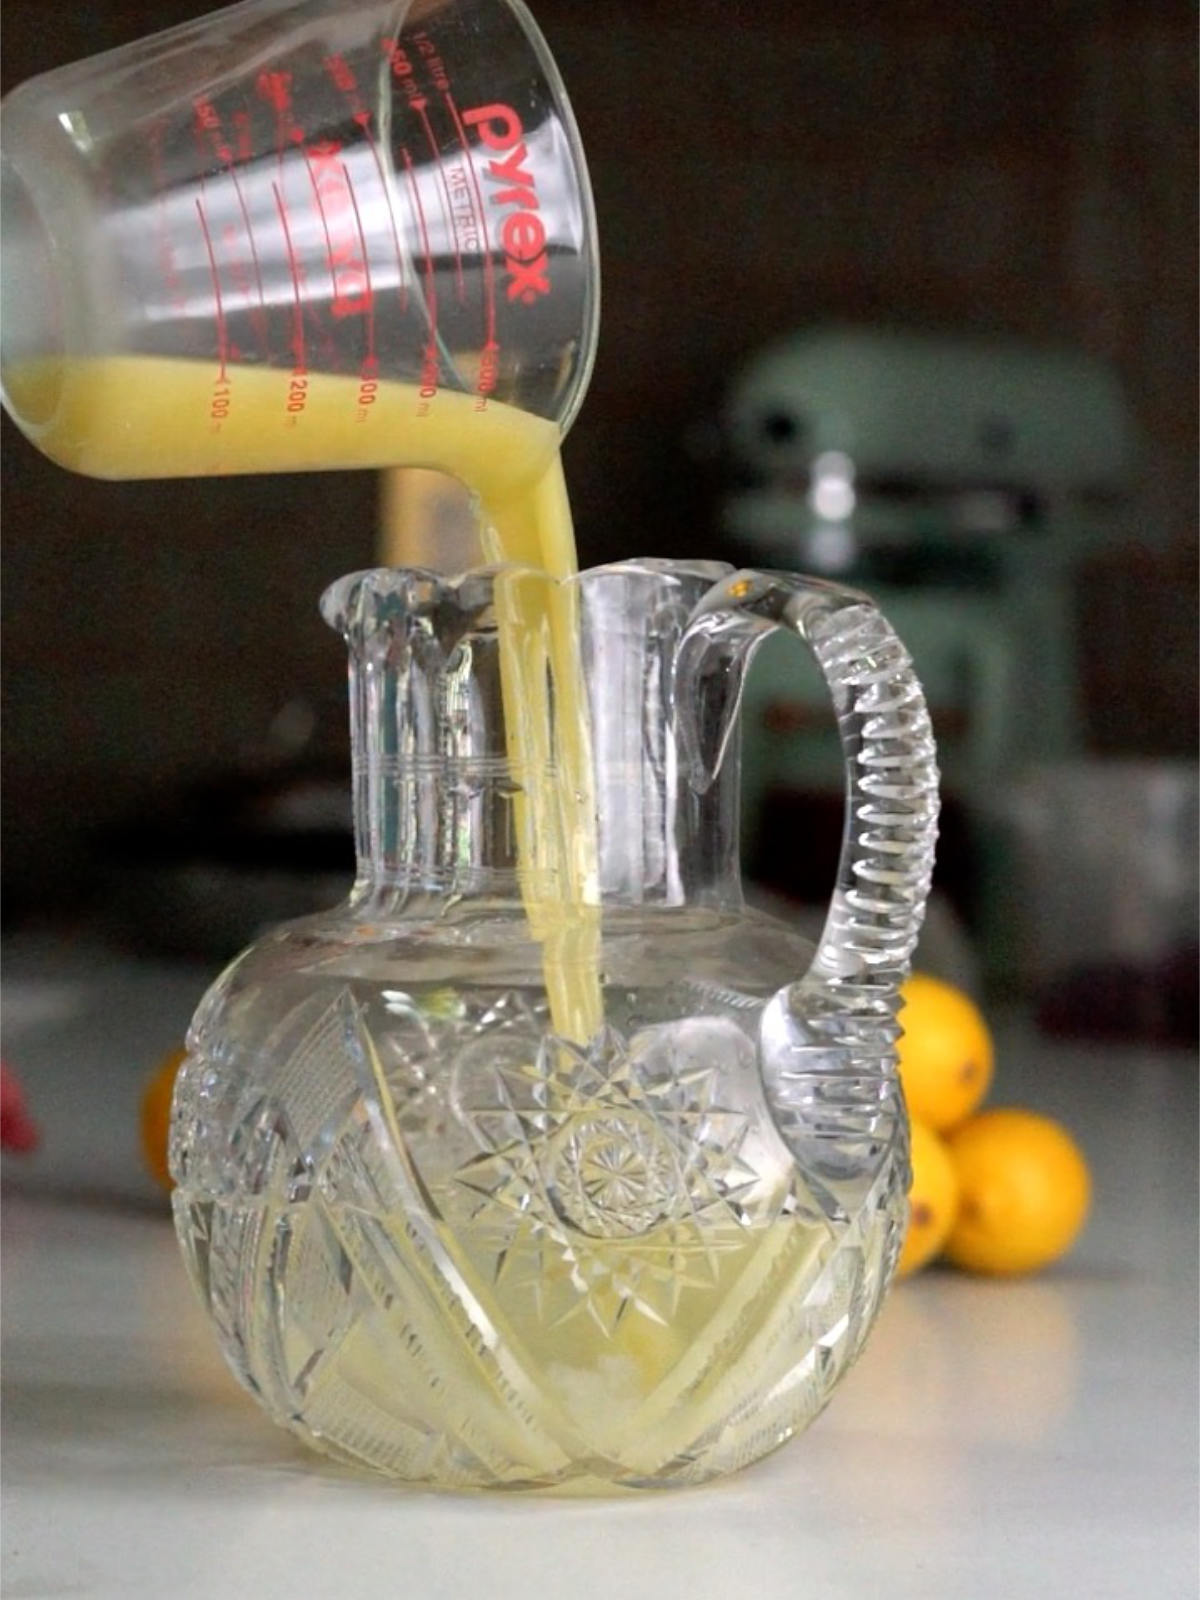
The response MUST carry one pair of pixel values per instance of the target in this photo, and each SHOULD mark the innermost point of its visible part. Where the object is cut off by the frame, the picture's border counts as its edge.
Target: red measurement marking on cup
(343, 77)
(243, 140)
(404, 74)
(202, 154)
(208, 119)
(429, 362)
(489, 364)
(345, 246)
(386, 190)
(368, 386)
(276, 89)
(298, 383)
(219, 308)
(434, 64)
(418, 104)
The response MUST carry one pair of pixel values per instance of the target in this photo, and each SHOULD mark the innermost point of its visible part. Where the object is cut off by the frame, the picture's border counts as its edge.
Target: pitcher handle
(827, 1041)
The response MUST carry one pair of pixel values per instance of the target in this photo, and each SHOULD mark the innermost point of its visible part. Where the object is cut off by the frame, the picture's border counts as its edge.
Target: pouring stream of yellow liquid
(144, 416)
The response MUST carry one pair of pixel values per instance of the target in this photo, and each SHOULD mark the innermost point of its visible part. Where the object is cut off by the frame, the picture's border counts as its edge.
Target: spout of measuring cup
(32, 313)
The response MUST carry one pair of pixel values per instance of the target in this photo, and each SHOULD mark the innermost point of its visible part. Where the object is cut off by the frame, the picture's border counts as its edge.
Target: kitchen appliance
(960, 482)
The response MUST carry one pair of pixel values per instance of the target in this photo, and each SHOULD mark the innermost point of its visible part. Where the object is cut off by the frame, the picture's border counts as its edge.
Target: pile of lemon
(998, 1191)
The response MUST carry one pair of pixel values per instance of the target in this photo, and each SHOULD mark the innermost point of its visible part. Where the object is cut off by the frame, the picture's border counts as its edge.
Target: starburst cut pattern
(609, 1179)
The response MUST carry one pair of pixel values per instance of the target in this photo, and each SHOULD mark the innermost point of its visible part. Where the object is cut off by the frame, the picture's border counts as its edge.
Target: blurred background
(890, 293)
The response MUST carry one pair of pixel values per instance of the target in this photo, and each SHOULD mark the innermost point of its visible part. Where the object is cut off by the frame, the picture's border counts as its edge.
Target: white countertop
(1022, 1439)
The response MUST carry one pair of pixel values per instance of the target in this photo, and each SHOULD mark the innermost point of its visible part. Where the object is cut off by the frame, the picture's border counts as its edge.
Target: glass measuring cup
(300, 234)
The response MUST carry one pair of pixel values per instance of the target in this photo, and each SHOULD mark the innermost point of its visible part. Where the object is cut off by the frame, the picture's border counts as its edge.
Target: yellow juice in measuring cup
(154, 417)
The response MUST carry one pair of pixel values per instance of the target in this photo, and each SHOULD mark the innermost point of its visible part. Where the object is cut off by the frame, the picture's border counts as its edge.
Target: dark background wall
(1027, 169)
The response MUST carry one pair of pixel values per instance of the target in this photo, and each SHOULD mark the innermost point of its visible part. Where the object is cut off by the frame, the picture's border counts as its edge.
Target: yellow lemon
(945, 1052)
(156, 1117)
(932, 1200)
(1024, 1192)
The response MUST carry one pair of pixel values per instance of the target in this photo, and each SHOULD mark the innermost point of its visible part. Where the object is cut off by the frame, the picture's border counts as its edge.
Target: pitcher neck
(440, 817)
(427, 819)
(475, 781)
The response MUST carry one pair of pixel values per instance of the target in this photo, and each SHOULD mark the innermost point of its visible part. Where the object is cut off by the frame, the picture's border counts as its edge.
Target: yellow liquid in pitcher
(680, 1377)
(144, 416)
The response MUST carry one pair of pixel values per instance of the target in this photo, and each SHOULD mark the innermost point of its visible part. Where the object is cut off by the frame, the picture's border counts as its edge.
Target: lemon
(1024, 1192)
(156, 1117)
(932, 1200)
(945, 1053)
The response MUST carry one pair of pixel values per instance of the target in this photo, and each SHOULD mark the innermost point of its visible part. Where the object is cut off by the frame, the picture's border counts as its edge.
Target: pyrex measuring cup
(300, 234)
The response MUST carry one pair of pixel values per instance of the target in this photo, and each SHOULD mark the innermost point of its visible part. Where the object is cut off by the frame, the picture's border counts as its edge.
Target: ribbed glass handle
(827, 1045)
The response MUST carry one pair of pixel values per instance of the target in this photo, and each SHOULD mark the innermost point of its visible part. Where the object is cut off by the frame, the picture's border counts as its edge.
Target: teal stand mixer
(961, 483)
